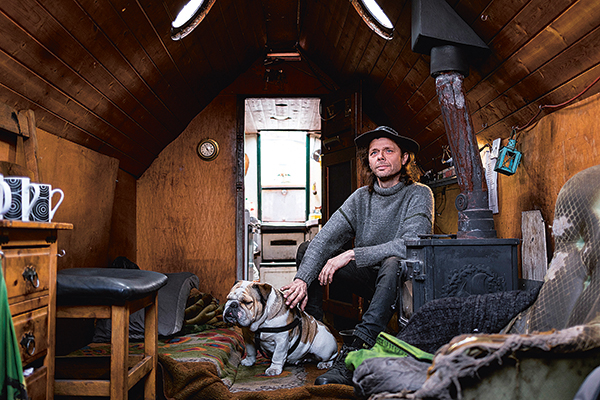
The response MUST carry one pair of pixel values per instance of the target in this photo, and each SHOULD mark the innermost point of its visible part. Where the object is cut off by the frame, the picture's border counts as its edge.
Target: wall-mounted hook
(62, 253)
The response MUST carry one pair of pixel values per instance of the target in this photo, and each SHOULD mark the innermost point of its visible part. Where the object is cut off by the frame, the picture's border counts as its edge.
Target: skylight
(374, 17)
(190, 17)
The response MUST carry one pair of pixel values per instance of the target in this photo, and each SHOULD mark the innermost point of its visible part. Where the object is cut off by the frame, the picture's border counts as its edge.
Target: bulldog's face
(246, 302)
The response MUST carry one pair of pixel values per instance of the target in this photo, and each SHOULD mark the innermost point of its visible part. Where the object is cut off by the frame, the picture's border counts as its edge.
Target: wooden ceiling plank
(396, 75)
(231, 29)
(189, 57)
(356, 50)
(159, 20)
(471, 10)
(531, 20)
(91, 39)
(246, 27)
(314, 28)
(573, 24)
(50, 122)
(336, 12)
(343, 35)
(212, 31)
(393, 49)
(68, 83)
(583, 55)
(68, 77)
(496, 16)
(407, 88)
(128, 26)
(40, 92)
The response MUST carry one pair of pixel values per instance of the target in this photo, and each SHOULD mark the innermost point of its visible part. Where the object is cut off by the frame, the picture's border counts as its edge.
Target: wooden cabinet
(29, 252)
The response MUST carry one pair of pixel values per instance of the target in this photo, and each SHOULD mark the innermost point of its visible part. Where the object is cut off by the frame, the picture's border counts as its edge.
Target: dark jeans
(377, 284)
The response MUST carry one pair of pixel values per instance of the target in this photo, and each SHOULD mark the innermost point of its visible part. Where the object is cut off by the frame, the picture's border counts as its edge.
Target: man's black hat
(405, 143)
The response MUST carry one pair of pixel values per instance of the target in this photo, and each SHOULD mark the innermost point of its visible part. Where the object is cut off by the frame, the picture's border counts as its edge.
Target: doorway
(282, 181)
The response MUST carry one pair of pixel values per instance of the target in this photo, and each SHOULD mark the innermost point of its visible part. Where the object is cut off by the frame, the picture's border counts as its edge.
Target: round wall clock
(208, 149)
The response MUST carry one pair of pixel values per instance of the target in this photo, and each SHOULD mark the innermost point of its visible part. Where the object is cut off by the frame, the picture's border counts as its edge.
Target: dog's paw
(325, 364)
(273, 370)
(247, 362)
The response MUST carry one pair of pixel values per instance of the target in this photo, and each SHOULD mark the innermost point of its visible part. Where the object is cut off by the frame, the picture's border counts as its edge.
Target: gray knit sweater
(379, 222)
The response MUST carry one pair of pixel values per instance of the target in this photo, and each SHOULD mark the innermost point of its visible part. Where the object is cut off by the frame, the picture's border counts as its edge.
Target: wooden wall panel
(559, 146)
(123, 233)
(186, 206)
(88, 180)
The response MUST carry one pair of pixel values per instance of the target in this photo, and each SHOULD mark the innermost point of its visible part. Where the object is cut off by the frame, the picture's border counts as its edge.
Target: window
(374, 17)
(190, 17)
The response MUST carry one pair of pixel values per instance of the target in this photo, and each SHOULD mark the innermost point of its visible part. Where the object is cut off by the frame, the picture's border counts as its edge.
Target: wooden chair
(114, 294)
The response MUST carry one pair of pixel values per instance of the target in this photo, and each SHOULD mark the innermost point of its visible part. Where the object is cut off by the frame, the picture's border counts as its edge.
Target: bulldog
(289, 335)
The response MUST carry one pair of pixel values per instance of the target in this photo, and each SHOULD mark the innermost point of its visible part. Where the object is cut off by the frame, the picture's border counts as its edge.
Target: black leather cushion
(106, 285)
(172, 299)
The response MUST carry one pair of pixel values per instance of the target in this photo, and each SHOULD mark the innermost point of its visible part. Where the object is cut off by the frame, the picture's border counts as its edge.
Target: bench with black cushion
(115, 294)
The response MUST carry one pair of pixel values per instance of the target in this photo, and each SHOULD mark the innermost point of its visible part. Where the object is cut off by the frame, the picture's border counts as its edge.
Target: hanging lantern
(508, 157)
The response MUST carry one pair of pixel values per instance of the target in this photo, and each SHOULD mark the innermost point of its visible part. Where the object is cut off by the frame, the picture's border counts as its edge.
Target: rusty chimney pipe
(440, 33)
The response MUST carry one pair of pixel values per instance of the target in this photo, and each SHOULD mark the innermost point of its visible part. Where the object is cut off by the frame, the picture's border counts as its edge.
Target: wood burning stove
(445, 267)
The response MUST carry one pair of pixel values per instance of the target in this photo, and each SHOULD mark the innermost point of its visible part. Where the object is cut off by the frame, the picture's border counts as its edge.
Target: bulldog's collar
(296, 322)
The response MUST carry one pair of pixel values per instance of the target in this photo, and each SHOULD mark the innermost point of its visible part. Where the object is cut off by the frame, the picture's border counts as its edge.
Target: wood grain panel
(357, 48)
(575, 23)
(530, 20)
(126, 27)
(343, 45)
(90, 86)
(393, 48)
(64, 129)
(122, 229)
(186, 206)
(582, 55)
(44, 94)
(376, 44)
(88, 180)
(570, 136)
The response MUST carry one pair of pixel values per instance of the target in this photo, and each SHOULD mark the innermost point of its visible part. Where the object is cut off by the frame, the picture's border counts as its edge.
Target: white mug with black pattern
(42, 210)
(22, 199)
(5, 197)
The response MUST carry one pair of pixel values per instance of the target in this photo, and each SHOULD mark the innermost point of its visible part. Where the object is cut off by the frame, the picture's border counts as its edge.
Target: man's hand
(296, 293)
(333, 264)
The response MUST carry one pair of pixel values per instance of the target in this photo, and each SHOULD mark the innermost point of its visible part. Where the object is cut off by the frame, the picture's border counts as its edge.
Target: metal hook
(63, 252)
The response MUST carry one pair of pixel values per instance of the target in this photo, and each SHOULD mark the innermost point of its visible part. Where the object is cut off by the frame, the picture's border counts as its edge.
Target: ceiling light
(190, 17)
(285, 56)
(374, 17)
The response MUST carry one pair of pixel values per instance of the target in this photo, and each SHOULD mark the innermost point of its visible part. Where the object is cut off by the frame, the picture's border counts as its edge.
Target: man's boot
(339, 373)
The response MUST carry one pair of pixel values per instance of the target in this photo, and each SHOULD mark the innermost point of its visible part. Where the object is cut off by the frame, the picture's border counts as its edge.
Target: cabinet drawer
(281, 246)
(26, 272)
(36, 383)
(32, 325)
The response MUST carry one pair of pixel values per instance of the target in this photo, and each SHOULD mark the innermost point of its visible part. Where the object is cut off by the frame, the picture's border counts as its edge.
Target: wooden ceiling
(105, 73)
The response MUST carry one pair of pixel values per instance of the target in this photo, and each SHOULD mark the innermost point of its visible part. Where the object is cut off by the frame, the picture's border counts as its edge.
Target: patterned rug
(223, 347)
(253, 379)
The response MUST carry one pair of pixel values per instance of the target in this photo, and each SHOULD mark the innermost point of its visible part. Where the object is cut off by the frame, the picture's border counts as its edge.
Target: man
(379, 217)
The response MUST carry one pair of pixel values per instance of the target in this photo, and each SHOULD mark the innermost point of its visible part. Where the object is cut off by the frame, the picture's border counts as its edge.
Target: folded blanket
(437, 322)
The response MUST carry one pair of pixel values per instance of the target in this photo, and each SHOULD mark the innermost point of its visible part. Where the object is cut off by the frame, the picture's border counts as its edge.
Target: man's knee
(390, 265)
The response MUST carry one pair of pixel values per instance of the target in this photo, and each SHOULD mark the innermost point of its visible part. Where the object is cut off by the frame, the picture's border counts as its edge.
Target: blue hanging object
(508, 158)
